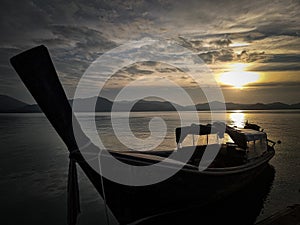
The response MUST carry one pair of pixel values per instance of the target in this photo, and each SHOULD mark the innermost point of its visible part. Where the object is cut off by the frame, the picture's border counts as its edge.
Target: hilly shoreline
(12, 105)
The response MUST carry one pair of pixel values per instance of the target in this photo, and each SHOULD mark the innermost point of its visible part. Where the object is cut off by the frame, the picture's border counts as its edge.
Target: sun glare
(237, 119)
(238, 77)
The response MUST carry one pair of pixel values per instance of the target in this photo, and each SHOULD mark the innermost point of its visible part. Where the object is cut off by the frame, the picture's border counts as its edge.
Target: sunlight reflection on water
(237, 118)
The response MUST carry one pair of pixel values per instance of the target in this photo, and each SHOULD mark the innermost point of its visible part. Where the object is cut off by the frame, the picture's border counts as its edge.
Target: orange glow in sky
(238, 76)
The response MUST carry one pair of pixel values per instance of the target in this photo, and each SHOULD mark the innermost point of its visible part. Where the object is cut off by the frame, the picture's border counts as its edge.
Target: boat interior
(248, 146)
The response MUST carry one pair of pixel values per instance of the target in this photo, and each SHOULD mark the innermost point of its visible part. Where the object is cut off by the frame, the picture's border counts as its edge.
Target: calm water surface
(34, 163)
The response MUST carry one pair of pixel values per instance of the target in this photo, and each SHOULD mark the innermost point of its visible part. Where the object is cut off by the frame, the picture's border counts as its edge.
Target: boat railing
(272, 142)
(199, 130)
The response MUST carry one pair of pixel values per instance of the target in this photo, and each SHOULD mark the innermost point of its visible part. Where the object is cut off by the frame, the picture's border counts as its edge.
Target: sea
(34, 166)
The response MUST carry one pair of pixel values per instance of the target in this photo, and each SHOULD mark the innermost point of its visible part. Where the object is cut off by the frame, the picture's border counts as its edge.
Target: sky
(252, 48)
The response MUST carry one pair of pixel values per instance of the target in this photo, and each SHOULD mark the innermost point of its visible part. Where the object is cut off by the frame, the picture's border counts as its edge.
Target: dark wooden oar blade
(37, 72)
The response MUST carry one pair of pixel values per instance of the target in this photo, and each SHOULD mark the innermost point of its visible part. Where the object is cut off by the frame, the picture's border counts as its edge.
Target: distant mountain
(214, 105)
(278, 105)
(295, 106)
(144, 105)
(102, 105)
(34, 108)
(258, 106)
(9, 104)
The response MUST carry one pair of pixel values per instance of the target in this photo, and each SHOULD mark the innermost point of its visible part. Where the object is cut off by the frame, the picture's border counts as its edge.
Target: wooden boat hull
(186, 189)
(241, 207)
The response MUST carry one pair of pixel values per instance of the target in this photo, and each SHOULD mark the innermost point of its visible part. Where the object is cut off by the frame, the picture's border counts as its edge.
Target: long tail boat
(236, 164)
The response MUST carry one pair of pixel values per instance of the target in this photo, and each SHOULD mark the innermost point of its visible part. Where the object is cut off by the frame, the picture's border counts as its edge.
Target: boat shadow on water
(240, 208)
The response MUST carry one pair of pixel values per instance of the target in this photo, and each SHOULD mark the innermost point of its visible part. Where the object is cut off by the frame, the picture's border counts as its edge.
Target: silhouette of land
(12, 105)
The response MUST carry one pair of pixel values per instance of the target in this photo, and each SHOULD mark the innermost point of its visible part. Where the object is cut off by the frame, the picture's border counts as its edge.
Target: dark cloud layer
(77, 32)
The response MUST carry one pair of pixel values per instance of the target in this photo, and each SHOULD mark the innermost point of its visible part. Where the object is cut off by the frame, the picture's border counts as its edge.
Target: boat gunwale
(245, 167)
(254, 163)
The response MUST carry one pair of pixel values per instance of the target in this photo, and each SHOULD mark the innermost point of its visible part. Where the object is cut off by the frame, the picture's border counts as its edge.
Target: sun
(238, 77)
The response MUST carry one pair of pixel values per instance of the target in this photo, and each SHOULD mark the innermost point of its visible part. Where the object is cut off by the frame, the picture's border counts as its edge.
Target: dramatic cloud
(222, 42)
(135, 71)
(263, 34)
(268, 67)
(251, 56)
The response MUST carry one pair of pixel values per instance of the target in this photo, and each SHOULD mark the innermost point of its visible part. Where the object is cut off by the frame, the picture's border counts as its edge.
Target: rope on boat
(73, 198)
(73, 189)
